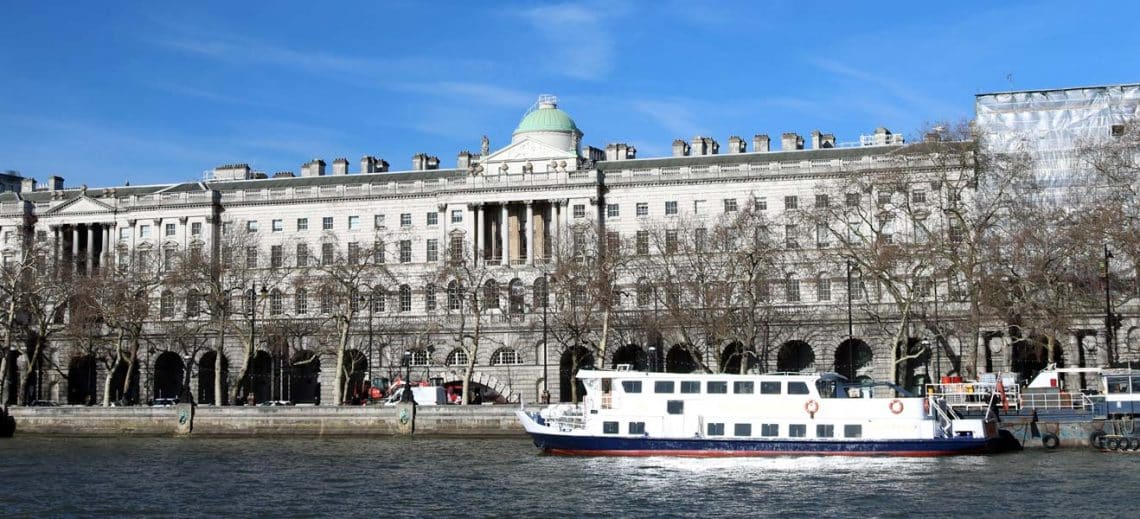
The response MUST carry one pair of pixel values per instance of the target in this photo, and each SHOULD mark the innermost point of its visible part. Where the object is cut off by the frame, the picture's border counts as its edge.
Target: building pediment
(528, 149)
(79, 205)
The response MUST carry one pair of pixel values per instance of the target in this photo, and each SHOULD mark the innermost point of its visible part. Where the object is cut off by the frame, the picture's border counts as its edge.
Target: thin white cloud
(578, 45)
(675, 116)
(900, 91)
(472, 93)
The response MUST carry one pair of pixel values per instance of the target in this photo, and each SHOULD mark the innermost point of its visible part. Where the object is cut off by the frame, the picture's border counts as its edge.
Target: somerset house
(520, 263)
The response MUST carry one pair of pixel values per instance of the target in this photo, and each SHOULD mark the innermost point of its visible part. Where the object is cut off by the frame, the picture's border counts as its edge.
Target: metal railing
(979, 395)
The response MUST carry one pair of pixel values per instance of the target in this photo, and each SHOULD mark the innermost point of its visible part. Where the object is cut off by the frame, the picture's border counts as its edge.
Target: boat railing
(565, 417)
(943, 412)
(980, 396)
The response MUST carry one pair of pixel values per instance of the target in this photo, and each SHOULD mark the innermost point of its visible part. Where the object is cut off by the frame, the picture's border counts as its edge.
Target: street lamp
(185, 396)
(407, 394)
(850, 327)
(652, 359)
(545, 304)
(252, 299)
(1109, 329)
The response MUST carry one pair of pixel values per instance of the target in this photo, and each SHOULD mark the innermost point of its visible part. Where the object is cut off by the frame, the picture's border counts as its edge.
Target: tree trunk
(339, 384)
(219, 398)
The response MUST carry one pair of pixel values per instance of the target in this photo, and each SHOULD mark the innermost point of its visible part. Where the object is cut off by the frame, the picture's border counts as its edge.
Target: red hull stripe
(749, 454)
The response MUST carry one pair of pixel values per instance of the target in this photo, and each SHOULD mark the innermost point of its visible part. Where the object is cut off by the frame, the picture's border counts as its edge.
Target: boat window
(631, 386)
(742, 429)
(717, 387)
(663, 386)
(826, 388)
(1136, 384)
(797, 430)
(675, 406)
(770, 429)
(769, 388)
(797, 388)
(853, 431)
(636, 427)
(716, 429)
(690, 386)
(743, 387)
(824, 431)
(610, 427)
(1117, 385)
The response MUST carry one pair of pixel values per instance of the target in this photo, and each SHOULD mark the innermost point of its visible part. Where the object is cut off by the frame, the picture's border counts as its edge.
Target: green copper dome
(546, 118)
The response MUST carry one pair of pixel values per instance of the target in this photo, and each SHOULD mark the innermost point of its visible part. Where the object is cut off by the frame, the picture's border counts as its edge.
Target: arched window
(405, 298)
(517, 296)
(644, 293)
(541, 293)
(166, 304)
(491, 294)
(420, 358)
(326, 301)
(457, 357)
(454, 296)
(578, 295)
(250, 302)
(504, 357)
(354, 298)
(429, 297)
(193, 303)
(276, 306)
(301, 302)
(378, 297)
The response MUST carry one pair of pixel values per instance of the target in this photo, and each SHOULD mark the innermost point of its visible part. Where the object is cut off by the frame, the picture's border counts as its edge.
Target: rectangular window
(456, 216)
(822, 236)
(821, 201)
(918, 196)
(302, 255)
(327, 223)
(675, 407)
(327, 253)
(770, 429)
(743, 387)
(769, 388)
(643, 243)
(716, 429)
(579, 210)
(797, 430)
(378, 221)
(717, 387)
(791, 241)
(670, 242)
(853, 431)
(609, 427)
(276, 256)
(699, 207)
(792, 290)
(730, 205)
(636, 427)
(456, 251)
(823, 289)
(613, 211)
(432, 252)
(760, 204)
(671, 208)
(791, 202)
(690, 386)
(884, 197)
(353, 253)
(432, 218)
(824, 431)
(251, 257)
(227, 228)
(742, 429)
(797, 388)
(429, 297)
(170, 229)
(302, 224)
(278, 225)
(125, 233)
(405, 219)
(642, 209)
(354, 223)
(663, 386)
(251, 226)
(613, 242)
(631, 386)
(853, 199)
(405, 251)
(699, 235)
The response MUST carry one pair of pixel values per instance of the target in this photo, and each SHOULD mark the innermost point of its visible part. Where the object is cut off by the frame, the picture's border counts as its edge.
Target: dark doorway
(851, 356)
(679, 360)
(168, 375)
(208, 373)
(735, 356)
(305, 378)
(573, 359)
(794, 357)
(912, 372)
(631, 354)
(81, 380)
(124, 388)
(1029, 356)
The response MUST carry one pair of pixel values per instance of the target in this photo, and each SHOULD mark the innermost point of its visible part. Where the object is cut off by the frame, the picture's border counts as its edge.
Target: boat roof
(631, 374)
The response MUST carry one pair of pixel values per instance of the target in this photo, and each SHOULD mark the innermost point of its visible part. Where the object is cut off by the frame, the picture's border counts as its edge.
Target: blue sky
(154, 92)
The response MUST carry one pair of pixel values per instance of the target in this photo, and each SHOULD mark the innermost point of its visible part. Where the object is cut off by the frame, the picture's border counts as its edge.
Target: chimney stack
(704, 146)
(232, 172)
(465, 159)
(313, 168)
(424, 162)
(736, 145)
(27, 185)
(340, 166)
(761, 143)
(55, 183)
(822, 140)
(680, 148)
(791, 141)
(370, 164)
(620, 151)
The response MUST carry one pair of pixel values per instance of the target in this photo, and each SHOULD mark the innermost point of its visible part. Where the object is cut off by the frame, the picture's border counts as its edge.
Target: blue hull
(641, 446)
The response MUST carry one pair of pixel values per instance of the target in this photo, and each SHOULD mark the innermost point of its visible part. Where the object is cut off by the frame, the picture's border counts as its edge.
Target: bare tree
(472, 295)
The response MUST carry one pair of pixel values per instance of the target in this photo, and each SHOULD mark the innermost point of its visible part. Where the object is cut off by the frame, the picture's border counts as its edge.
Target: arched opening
(1029, 356)
(168, 372)
(124, 388)
(478, 393)
(517, 294)
(853, 359)
(735, 358)
(305, 378)
(208, 373)
(81, 380)
(631, 354)
(679, 360)
(490, 294)
(573, 359)
(353, 377)
(913, 372)
(794, 357)
(258, 379)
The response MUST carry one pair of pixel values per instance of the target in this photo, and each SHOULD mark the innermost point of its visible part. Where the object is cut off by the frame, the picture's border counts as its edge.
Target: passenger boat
(631, 413)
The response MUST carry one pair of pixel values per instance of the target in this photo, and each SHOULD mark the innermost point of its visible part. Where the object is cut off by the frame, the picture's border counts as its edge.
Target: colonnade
(517, 233)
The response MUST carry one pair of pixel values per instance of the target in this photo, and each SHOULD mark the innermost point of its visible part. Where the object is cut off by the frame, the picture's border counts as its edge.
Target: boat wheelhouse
(636, 413)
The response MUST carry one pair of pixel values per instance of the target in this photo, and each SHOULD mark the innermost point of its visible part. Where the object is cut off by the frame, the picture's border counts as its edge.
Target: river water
(497, 477)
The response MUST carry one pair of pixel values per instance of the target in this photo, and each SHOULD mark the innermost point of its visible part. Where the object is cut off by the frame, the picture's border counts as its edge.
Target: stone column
(530, 232)
(57, 238)
(75, 247)
(90, 248)
(504, 236)
(107, 248)
(445, 220)
(476, 221)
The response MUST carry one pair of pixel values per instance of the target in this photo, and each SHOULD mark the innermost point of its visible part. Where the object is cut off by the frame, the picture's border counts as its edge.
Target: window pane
(663, 386)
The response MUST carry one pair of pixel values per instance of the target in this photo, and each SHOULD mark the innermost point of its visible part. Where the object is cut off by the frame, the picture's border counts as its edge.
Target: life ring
(896, 406)
(812, 407)
(1050, 441)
